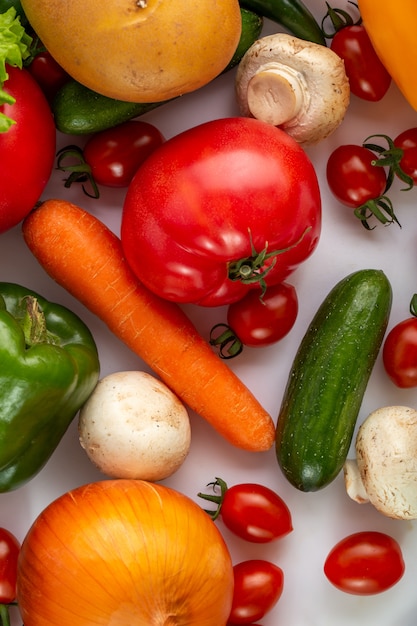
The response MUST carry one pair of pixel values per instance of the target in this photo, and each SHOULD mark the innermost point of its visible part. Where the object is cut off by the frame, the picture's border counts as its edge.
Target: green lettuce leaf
(14, 48)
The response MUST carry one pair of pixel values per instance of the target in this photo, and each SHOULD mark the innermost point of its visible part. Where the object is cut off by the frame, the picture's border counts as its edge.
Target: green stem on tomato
(4, 615)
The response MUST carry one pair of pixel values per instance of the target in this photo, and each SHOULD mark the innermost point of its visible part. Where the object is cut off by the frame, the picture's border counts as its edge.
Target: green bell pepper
(49, 366)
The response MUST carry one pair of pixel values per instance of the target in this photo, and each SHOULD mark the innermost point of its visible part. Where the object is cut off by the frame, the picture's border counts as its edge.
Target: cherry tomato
(27, 148)
(251, 511)
(115, 154)
(407, 141)
(49, 75)
(399, 353)
(351, 176)
(368, 77)
(258, 586)
(365, 563)
(9, 551)
(220, 209)
(261, 321)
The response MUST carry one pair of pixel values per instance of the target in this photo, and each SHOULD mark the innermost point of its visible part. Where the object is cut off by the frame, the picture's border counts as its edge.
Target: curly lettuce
(14, 48)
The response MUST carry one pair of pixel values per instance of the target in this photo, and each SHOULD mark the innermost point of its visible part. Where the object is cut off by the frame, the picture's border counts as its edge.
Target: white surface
(319, 519)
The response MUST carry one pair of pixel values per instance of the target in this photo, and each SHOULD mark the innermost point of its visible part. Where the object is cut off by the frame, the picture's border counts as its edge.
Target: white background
(320, 519)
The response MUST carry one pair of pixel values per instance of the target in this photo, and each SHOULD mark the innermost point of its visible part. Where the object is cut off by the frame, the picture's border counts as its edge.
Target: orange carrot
(85, 257)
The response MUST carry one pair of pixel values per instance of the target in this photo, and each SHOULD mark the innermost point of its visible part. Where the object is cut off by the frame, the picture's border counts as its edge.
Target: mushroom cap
(318, 93)
(386, 455)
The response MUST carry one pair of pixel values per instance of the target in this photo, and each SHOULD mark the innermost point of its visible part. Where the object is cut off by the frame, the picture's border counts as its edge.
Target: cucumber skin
(328, 379)
(292, 14)
(78, 110)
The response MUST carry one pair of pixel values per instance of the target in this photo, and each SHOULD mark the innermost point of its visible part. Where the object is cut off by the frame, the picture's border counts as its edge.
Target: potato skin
(139, 54)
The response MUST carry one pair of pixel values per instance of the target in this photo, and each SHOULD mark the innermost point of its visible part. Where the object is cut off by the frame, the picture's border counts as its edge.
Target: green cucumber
(328, 379)
(79, 111)
(292, 14)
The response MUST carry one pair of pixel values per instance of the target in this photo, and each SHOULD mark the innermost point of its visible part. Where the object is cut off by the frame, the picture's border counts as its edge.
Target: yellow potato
(139, 50)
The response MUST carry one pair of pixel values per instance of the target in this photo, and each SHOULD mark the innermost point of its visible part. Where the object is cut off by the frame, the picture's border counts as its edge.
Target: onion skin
(119, 552)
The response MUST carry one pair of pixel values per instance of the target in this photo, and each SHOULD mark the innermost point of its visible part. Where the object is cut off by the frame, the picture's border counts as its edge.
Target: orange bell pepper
(392, 28)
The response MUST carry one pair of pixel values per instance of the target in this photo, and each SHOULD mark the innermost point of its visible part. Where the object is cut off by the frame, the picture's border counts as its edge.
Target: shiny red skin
(115, 154)
(49, 75)
(368, 78)
(9, 552)
(351, 176)
(204, 198)
(255, 513)
(27, 149)
(258, 585)
(365, 563)
(399, 353)
(407, 141)
(262, 321)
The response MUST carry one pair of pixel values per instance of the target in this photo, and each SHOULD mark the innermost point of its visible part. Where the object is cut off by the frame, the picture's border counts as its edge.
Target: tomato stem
(4, 615)
(340, 19)
(216, 498)
(251, 269)
(228, 342)
(80, 171)
(413, 305)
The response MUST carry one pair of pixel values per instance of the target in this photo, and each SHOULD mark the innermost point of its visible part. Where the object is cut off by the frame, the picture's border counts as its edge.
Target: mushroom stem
(385, 470)
(276, 94)
(298, 85)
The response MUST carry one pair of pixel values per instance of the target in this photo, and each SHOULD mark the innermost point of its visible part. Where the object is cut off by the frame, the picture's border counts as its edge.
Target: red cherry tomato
(399, 353)
(365, 563)
(49, 75)
(407, 141)
(258, 586)
(251, 511)
(351, 176)
(9, 552)
(261, 321)
(368, 77)
(115, 154)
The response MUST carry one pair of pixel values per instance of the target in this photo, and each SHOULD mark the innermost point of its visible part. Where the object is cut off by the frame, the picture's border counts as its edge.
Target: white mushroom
(385, 470)
(133, 426)
(297, 85)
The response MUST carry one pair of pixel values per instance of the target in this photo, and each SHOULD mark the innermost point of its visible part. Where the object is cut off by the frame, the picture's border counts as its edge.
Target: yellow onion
(124, 553)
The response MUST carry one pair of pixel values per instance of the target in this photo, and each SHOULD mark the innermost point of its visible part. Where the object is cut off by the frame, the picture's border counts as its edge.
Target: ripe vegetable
(400, 350)
(365, 563)
(384, 470)
(142, 51)
(85, 257)
(258, 585)
(27, 130)
(48, 367)
(294, 84)
(368, 77)
(133, 426)
(359, 182)
(407, 142)
(261, 321)
(251, 511)
(79, 110)
(328, 379)
(124, 552)
(9, 552)
(222, 208)
(395, 46)
(110, 157)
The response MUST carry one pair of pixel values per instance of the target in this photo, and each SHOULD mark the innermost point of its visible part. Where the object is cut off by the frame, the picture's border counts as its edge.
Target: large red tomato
(220, 208)
(27, 149)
